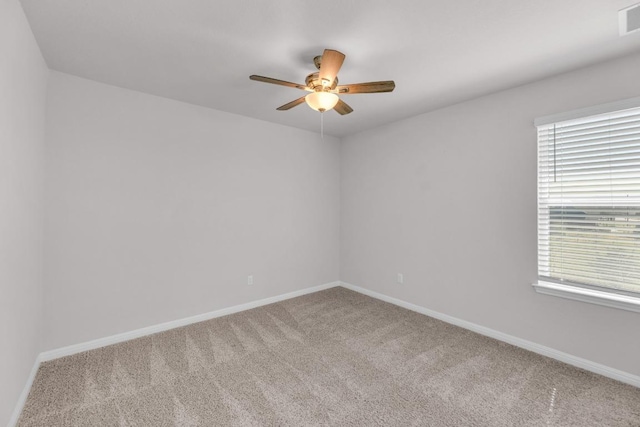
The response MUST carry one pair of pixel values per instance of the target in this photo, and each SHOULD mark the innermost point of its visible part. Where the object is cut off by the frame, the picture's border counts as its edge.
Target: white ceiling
(439, 52)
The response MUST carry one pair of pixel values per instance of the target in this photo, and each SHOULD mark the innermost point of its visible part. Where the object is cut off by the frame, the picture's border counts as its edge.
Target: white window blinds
(589, 201)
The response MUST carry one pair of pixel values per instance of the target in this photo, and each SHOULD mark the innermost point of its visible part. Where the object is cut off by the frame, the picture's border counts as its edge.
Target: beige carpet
(330, 358)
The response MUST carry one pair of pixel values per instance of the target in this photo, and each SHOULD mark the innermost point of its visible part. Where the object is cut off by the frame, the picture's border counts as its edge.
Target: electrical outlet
(400, 279)
(249, 280)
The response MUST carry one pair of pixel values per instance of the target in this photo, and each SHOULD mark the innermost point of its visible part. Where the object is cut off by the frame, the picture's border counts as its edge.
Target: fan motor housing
(314, 82)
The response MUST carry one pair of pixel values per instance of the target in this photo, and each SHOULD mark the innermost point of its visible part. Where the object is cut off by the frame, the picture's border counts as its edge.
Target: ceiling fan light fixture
(322, 101)
(324, 88)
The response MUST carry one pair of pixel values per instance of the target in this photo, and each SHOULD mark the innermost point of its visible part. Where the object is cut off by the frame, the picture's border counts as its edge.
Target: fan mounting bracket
(317, 61)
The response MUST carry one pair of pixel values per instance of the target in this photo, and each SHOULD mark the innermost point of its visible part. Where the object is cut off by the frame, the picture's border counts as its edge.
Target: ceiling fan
(323, 85)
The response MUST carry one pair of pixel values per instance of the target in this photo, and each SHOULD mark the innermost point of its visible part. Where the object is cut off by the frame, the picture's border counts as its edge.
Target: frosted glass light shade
(321, 101)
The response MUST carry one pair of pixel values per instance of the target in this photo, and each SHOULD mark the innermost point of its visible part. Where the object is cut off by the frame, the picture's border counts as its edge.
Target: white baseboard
(137, 333)
(25, 393)
(597, 368)
(585, 364)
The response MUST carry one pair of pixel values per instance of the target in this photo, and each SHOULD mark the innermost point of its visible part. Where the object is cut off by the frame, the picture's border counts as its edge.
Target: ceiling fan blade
(370, 87)
(291, 104)
(342, 107)
(278, 82)
(330, 65)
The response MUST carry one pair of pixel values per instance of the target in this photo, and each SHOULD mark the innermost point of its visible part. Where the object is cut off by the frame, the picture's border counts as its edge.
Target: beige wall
(23, 79)
(448, 199)
(158, 210)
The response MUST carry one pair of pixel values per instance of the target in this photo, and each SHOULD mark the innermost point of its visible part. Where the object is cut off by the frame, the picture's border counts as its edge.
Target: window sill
(624, 302)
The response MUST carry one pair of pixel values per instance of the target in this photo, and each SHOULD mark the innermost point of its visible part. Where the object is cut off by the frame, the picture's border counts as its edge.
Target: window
(589, 205)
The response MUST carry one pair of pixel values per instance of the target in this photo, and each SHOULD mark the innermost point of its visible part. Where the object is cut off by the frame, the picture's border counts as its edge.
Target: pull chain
(322, 125)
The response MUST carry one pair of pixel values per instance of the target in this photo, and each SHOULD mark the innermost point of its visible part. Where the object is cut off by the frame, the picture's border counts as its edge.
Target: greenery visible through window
(589, 201)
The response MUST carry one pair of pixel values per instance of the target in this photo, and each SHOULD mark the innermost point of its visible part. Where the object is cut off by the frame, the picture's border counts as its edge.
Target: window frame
(585, 293)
